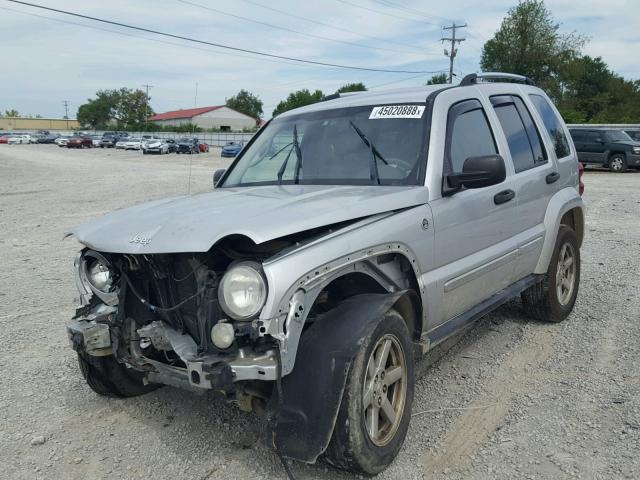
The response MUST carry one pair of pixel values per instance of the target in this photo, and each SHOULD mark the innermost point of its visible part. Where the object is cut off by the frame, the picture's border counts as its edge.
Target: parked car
(634, 134)
(109, 140)
(133, 144)
(48, 137)
(121, 142)
(231, 149)
(173, 145)
(95, 140)
(320, 272)
(80, 142)
(188, 145)
(610, 148)
(4, 139)
(19, 139)
(61, 141)
(203, 147)
(159, 146)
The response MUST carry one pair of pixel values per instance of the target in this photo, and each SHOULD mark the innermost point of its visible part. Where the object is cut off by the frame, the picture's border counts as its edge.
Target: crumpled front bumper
(92, 335)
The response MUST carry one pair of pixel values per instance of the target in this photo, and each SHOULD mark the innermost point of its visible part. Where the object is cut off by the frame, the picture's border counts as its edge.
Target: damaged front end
(189, 320)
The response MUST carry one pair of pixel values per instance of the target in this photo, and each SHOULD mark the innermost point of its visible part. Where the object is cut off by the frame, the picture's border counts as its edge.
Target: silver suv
(346, 240)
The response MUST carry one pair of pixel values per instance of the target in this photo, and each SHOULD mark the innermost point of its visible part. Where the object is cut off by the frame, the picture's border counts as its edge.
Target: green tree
(529, 43)
(438, 79)
(352, 87)
(247, 103)
(298, 99)
(11, 113)
(124, 108)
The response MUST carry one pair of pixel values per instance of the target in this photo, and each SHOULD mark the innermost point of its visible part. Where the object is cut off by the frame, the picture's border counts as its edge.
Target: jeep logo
(140, 240)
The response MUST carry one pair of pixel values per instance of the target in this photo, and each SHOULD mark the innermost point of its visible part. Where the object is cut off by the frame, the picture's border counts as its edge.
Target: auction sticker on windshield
(397, 111)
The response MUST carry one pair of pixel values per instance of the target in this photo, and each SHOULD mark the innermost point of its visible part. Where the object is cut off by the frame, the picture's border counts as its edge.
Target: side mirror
(478, 172)
(217, 175)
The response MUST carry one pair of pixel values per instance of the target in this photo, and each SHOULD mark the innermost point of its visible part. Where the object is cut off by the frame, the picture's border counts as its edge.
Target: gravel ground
(512, 399)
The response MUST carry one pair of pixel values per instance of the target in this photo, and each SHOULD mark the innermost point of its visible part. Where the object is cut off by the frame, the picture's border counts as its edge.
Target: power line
(454, 51)
(286, 29)
(346, 2)
(413, 11)
(156, 40)
(218, 45)
(324, 24)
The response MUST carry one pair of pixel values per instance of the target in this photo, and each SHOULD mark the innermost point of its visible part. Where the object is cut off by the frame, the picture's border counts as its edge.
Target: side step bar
(444, 331)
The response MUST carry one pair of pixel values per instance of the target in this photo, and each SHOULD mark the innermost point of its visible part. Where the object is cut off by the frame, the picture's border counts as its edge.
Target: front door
(475, 251)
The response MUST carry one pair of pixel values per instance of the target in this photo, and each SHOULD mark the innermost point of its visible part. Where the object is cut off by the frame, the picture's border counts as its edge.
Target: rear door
(475, 250)
(579, 138)
(595, 146)
(536, 176)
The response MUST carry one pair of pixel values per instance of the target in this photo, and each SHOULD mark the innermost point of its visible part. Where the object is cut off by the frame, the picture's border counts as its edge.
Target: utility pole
(66, 111)
(454, 51)
(146, 105)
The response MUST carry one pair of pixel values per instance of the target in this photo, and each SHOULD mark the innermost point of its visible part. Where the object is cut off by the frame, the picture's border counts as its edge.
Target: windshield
(372, 145)
(618, 136)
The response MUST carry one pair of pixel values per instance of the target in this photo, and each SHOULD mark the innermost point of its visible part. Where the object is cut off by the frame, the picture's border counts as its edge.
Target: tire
(618, 163)
(109, 378)
(352, 447)
(543, 301)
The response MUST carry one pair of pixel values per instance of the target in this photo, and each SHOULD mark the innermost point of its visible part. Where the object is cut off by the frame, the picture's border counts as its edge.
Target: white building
(221, 117)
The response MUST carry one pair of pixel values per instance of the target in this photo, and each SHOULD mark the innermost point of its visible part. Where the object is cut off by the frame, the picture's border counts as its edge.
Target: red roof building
(219, 116)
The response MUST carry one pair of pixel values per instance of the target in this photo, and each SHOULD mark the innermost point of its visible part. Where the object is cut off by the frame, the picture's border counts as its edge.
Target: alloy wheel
(385, 390)
(566, 274)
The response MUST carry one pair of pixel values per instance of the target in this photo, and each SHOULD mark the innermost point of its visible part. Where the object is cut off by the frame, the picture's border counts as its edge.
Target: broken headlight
(100, 276)
(96, 275)
(243, 291)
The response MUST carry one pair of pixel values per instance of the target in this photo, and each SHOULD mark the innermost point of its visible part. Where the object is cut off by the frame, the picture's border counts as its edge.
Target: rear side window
(522, 135)
(553, 124)
(469, 134)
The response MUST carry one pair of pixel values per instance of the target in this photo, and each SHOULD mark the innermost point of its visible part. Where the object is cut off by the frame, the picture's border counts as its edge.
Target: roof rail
(473, 78)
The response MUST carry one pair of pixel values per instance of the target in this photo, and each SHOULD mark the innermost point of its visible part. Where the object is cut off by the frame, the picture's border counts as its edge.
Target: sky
(48, 58)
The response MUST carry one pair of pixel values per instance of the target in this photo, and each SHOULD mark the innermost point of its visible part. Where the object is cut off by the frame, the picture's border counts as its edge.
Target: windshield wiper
(296, 148)
(373, 164)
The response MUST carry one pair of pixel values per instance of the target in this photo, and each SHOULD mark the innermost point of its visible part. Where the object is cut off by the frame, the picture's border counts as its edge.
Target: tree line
(529, 42)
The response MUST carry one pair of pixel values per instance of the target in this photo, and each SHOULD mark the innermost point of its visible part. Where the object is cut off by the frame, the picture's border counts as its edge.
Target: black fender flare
(312, 392)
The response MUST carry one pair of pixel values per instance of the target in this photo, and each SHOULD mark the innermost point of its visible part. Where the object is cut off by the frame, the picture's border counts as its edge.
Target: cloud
(46, 61)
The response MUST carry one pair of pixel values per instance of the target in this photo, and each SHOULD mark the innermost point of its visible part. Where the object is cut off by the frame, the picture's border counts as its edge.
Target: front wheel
(109, 378)
(376, 405)
(618, 163)
(553, 298)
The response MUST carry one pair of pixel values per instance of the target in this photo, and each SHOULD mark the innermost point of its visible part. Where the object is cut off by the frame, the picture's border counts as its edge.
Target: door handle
(552, 177)
(503, 197)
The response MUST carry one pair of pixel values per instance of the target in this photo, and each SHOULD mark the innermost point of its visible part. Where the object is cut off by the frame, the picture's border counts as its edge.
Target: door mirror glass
(479, 172)
(217, 175)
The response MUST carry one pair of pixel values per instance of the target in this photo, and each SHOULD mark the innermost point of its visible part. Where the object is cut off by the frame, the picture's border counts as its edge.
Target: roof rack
(473, 78)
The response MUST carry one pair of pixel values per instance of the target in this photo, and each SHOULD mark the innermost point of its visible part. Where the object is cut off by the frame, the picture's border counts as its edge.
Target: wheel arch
(364, 277)
(565, 207)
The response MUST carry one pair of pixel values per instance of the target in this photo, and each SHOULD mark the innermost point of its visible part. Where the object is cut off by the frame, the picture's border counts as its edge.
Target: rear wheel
(376, 405)
(109, 378)
(617, 163)
(553, 298)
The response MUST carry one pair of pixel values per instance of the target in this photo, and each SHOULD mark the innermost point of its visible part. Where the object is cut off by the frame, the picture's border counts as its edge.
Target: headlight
(242, 291)
(99, 275)
(636, 149)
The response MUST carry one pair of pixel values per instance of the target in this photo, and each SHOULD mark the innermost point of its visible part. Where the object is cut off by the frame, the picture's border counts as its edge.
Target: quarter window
(553, 124)
(470, 134)
(522, 135)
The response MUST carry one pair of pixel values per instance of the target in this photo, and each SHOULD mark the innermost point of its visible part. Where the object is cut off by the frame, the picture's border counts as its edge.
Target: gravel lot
(513, 399)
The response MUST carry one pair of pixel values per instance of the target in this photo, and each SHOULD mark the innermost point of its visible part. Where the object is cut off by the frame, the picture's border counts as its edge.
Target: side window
(553, 124)
(523, 138)
(468, 134)
(577, 135)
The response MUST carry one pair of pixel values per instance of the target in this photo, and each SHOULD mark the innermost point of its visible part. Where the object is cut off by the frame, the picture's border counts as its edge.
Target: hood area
(195, 223)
